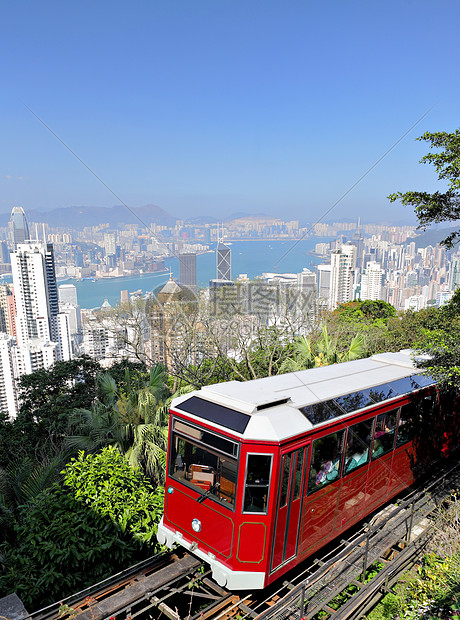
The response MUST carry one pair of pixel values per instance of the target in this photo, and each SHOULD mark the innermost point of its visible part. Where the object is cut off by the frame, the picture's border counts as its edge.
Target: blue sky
(219, 106)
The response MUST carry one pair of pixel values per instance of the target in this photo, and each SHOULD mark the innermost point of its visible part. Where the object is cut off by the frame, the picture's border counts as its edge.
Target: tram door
(289, 506)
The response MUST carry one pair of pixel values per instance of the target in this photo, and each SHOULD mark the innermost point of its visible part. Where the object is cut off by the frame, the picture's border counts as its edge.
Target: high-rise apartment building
(19, 227)
(8, 395)
(36, 292)
(6, 299)
(371, 282)
(37, 308)
(343, 265)
(187, 269)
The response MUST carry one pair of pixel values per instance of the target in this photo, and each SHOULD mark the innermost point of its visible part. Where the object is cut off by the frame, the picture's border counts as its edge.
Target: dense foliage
(99, 519)
(47, 397)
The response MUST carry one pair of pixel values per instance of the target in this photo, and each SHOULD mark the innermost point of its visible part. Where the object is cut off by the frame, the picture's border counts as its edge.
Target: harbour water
(250, 257)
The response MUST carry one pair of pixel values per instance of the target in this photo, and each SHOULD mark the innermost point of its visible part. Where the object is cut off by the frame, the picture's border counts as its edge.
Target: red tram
(261, 474)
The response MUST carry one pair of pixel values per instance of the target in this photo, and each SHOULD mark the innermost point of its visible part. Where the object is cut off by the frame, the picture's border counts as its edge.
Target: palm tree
(133, 419)
(20, 483)
(322, 352)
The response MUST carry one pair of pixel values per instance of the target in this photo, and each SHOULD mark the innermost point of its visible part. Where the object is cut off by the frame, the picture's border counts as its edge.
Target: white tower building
(343, 265)
(37, 310)
(371, 282)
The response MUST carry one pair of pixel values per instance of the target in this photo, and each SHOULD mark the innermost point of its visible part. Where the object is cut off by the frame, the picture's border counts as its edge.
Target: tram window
(356, 400)
(325, 461)
(384, 433)
(407, 424)
(285, 480)
(357, 449)
(203, 467)
(403, 386)
(383, 392)
(257, 483)
(320, 412)
(423, 380)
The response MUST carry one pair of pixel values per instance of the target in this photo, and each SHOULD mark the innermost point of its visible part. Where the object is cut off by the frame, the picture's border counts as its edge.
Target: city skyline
(216, 109)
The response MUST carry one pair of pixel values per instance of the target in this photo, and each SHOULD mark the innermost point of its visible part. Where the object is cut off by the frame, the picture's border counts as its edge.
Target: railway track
(178, 586)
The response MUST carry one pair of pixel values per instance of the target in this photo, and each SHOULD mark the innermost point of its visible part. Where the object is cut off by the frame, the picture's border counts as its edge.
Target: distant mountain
(201, 219)
(430, 237)
(241, 215)
(80, 217)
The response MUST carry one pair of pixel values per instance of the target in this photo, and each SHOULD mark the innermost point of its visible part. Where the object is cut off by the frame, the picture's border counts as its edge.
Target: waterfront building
(224, 262)
(68, 294)
(187, 269)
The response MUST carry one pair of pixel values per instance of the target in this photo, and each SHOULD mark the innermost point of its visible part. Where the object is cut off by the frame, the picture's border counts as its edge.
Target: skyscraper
(187, 269)
(19, 227)
(343, 265)
(37, 308)
(371, 282)
(224, 261)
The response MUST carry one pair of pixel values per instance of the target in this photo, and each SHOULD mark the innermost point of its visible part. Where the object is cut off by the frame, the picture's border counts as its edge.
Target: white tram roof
(269, 409)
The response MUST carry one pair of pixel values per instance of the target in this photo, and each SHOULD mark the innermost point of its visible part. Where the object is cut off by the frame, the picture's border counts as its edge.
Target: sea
(250, 257)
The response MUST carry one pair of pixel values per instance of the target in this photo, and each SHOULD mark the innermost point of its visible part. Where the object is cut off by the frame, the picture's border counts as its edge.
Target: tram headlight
(196, 525)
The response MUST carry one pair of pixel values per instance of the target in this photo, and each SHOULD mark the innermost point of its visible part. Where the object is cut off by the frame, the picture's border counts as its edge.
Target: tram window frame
(285, 478)
(252, 487)
(298, 474)
(204, 478)
(380, 431)
(407, 422)
(357, 445)
(322, 476)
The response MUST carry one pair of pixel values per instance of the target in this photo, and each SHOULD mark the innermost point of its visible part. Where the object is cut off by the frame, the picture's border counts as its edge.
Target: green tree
(439, 206)
(442, 344)
(47, 398)
(100, 519)
(132, 417)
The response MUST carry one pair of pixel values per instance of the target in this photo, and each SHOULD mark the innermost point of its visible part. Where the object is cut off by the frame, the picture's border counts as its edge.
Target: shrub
(101, 519)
